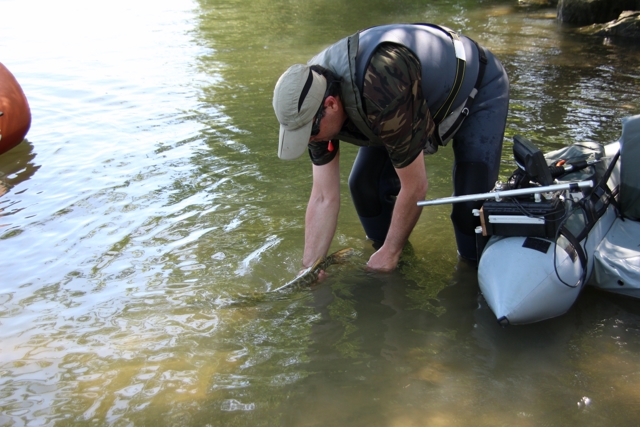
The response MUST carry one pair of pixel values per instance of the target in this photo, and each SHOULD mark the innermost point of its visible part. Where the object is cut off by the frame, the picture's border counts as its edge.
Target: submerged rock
(538, 3)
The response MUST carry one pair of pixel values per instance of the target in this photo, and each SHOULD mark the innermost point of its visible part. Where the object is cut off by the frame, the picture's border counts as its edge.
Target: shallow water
(147, 212)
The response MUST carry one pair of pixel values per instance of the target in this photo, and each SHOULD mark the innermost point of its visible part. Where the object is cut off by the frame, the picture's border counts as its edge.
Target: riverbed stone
(627, 25)
(586, 12)
(538, 3)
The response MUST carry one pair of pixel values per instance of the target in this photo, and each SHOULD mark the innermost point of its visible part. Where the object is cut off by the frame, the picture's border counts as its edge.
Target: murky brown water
(148, 203)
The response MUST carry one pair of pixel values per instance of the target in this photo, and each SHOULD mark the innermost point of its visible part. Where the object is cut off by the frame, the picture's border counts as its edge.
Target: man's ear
(331, 102)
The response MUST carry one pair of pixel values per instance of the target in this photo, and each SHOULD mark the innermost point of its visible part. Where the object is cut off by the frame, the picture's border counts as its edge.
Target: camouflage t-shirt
(394, 105)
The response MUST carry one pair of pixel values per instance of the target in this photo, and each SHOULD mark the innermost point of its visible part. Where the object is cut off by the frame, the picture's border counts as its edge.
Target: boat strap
(594, 205)
(575, 243)
(598, 200)
(613, 200)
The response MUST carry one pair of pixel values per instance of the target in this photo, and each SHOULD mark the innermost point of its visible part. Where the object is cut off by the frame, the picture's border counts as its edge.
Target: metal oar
(497, 195)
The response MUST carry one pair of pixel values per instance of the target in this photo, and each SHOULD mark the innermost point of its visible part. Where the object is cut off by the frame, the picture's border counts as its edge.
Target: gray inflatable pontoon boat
(563, 220)
(596, 240)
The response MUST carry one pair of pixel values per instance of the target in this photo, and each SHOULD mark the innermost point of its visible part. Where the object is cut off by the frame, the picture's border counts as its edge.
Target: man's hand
(381, 260)
(321, 275)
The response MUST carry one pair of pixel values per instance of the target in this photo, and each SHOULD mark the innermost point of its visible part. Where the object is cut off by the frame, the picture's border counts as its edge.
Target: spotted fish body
(310, 275)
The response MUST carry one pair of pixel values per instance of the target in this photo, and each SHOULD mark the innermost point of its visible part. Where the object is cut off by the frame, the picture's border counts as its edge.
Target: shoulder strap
(461, 59)
(448, 126)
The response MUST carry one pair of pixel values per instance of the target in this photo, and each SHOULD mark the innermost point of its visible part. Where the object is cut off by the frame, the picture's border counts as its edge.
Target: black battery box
(522, 217)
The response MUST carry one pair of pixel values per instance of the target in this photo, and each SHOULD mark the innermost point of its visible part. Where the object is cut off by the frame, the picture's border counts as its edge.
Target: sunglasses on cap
(315, 129)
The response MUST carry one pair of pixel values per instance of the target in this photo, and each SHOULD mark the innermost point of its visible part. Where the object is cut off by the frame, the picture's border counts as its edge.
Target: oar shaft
(506, 193)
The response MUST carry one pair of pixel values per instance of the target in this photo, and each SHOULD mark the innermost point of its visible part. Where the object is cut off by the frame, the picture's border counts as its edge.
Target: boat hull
(526, 280)
(617, 260)
(15, 117)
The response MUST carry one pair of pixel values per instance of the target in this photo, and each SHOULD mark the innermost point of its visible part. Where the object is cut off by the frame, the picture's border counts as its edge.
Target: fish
(310, 275)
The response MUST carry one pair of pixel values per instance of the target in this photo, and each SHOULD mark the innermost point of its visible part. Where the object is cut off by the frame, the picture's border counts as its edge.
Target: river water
(147, 211)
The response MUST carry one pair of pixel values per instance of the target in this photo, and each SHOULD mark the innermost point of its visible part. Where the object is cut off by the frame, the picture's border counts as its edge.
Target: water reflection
(18, 166)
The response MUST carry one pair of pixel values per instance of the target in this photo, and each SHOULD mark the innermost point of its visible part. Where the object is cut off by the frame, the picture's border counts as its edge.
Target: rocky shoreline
(607, 18)
(627, 26)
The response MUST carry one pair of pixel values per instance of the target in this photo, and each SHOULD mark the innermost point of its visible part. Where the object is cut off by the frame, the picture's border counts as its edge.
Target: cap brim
(293, 143)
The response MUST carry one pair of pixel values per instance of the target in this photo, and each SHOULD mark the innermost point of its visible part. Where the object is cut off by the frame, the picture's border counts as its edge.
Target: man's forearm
(406, 213)
(320, 225)
(321, 218)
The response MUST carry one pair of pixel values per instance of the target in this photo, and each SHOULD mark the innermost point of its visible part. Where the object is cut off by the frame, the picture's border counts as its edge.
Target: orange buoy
(15, 115)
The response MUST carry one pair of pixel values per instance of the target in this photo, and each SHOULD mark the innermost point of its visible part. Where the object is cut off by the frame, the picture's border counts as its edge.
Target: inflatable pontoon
(563, 220)
(15, 115)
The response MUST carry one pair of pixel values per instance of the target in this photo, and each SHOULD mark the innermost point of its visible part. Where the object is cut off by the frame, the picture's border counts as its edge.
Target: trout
(310, 275)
